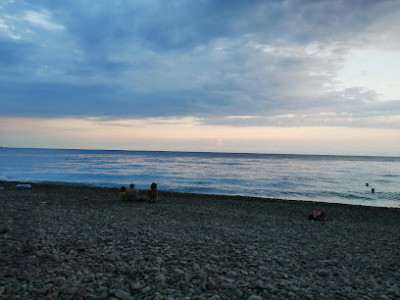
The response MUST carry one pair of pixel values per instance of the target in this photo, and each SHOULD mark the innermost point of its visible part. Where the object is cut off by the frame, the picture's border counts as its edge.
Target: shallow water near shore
(337, 179)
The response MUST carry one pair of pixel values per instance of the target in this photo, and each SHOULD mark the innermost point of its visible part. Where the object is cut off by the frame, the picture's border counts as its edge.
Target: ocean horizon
(324, 178)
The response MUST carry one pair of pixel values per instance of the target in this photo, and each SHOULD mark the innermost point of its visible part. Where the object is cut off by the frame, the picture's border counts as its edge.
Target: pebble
(179, 271)
(136, 286)
(159, 260)
(239, 294)
(146, 290)
(160, 278)
(170, 291)
(322, 273)
(122, 295)
(260, 284)
(196, 267)
(71, 290)
(110, 268)
(271, 288)
(211, 284)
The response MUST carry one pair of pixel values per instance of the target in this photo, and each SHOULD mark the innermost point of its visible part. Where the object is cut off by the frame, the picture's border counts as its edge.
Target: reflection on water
(307, 177)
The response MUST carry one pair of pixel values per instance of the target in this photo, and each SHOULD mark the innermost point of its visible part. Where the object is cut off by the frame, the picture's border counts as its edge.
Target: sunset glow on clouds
(235, 76)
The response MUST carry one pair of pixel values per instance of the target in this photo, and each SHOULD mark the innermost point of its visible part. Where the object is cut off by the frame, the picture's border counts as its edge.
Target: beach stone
(157, 296)
(110, 268)
(322, 272)
(255, 297)
(13, 273)
(211, 284)
(170, 291)
(330, 262)
(395, 293)
(271, 288)
(81, 291)
(179, 271)
(196, 267)
(136, 286)
(232, 274)
(54, 257)
(239, 294)
(158, 260)
(161, 278)
(79, 274)
(244, 272)
(46, 289)
(114, 256)
(71, 291)
(146, 290)
(260, 284)
(188, 276)
(122, 295)
(3, 229)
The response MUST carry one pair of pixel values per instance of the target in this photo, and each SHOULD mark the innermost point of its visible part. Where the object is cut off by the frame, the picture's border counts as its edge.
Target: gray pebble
(211, 284)
(136, 286)
(160, 278)
(179, 271)
(146, 290)
(122, 295)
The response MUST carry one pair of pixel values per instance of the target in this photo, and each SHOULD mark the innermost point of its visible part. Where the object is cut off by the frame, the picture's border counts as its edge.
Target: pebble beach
(80, 242)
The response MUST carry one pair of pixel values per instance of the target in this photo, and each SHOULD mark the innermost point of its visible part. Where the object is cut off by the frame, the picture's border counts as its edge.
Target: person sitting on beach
(318, 214)
(123, 196)
(153, 193)
(133, 193)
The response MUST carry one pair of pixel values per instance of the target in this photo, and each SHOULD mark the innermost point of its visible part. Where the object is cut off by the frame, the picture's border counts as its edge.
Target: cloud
(42, 19)
(6, 29)
(265, 60)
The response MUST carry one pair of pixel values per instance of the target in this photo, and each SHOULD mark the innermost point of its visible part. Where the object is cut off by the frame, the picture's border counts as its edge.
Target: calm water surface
(339, 179)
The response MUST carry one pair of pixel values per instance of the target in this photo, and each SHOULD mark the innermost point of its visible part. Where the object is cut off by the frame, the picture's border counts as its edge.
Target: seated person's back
(123, 196)
(133, 193)
(153, 193)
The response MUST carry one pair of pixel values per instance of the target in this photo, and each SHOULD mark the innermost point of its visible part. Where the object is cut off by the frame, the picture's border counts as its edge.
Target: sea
(321, 178)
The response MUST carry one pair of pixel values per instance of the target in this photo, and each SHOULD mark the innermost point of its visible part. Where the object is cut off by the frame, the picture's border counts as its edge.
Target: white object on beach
(23, 186)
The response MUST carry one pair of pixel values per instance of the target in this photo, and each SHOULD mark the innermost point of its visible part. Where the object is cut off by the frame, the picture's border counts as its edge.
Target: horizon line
(206, 152)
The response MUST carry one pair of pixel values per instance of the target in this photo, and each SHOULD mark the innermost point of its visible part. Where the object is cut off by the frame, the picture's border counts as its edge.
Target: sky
(295, 76)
